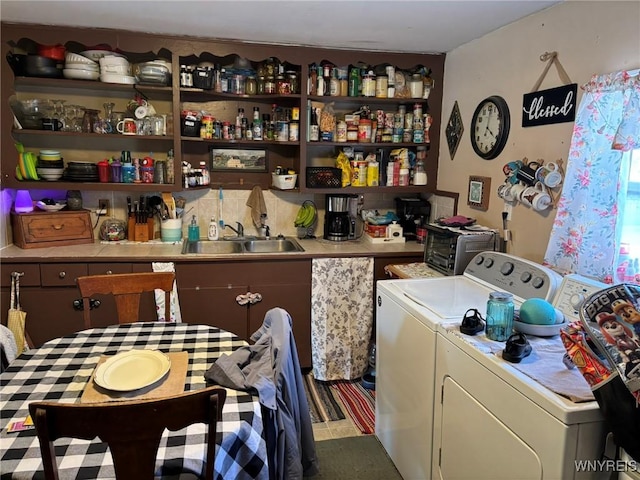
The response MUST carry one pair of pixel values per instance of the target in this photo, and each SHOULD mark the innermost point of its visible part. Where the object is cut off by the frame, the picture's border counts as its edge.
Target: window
(628, 269)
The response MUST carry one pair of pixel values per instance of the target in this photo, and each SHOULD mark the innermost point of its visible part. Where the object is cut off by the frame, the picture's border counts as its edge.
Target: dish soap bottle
(212, 233)
(194, 230)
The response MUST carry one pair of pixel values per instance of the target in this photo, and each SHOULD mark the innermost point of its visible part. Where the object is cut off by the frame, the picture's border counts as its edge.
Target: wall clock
(490, 127)
(454, 130)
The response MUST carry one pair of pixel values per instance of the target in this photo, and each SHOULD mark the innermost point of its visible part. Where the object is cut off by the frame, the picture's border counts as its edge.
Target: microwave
(449, 250)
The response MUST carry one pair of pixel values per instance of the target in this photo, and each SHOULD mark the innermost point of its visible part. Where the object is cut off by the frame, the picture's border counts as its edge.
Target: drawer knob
(57, 227)
(109, 272)
(62, 274)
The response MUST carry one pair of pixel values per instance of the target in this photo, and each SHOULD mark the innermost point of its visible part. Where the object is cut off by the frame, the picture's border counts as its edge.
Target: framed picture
(479, 188)
(246, 159)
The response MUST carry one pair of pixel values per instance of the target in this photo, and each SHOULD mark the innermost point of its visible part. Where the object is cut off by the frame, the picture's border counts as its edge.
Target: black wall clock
(454, 130)
(490, 127)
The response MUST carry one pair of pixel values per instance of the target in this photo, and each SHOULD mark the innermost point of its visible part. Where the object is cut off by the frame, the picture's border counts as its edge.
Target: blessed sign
(545, 107)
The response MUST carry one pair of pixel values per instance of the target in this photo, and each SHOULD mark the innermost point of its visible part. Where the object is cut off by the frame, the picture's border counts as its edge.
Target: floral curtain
(587, 228)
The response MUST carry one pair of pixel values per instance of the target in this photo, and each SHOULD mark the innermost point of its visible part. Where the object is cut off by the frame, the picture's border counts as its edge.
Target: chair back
(132, 429)
(126, 289)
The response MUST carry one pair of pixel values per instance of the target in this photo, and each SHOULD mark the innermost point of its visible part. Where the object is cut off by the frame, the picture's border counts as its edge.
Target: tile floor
(336, 429)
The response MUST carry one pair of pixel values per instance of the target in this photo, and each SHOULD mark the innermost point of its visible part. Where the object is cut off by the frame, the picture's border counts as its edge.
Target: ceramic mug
(527, 173)
(515, 192)
(504, 192)
(52, 124)
(549, 174)
(126, 126)
(536, 197)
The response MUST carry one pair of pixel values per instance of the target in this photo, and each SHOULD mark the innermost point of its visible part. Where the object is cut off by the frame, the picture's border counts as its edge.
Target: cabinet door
(215, 306)
(295, 299)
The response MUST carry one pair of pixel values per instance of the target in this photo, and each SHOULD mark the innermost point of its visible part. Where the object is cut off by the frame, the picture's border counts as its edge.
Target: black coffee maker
(339, 225)
(412, 212)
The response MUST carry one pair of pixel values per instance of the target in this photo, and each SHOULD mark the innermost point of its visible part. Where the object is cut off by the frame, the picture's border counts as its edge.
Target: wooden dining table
(62, 369)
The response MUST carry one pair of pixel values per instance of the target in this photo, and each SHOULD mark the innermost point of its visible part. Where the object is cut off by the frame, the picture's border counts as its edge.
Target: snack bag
(343, 163)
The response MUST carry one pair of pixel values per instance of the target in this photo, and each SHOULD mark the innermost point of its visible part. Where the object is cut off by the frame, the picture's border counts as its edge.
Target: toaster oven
(449, 250)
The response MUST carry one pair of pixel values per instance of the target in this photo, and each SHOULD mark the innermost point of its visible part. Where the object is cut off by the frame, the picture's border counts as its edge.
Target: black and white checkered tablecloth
(60, 370)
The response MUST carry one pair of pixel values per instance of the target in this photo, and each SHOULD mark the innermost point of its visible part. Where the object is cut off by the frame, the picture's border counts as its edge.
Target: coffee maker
(339, 225)
(412, 212)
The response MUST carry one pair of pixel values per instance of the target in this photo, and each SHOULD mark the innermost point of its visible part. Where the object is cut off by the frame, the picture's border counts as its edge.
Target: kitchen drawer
(45, 229)
(108, 268)
(61, 274)
(31, 277)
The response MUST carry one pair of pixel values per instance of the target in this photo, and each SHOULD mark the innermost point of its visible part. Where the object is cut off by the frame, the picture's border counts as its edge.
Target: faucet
(239, 231)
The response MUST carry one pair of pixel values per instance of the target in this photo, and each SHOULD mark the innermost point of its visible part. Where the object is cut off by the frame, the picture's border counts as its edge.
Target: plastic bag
(343, 163)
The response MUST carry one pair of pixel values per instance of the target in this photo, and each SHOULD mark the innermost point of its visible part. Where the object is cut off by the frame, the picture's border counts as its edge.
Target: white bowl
(115, 70)
(49, 170)
(72, 73)
(96, 55)
(51, 208)
(76, 58)
(112, 78)
(538, 330)
(50, 177)
(112, 60)
(82, 66)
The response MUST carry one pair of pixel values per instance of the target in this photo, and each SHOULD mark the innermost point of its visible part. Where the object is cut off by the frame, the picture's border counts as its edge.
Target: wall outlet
(104, 208)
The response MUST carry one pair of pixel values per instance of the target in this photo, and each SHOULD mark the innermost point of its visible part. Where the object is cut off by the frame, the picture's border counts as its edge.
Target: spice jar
(416, 86)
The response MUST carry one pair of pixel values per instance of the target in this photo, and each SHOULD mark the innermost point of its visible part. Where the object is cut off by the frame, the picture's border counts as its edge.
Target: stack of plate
(79, 67)
(50, 165)
(81, 172)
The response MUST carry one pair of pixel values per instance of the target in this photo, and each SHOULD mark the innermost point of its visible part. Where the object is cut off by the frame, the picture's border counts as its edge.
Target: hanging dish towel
(257, 205)
(341, 317)
(16, 318)
(175, 304)
(9, 347)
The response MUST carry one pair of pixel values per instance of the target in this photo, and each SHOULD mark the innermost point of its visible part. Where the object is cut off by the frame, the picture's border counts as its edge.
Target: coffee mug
(527, 173)
(549, 174)
(127, 126)
(515, 191)
(536, 197)
(52, 124)
(504, 192)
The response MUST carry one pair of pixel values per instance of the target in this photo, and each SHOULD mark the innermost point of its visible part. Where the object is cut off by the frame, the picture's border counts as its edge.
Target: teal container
(499, 316)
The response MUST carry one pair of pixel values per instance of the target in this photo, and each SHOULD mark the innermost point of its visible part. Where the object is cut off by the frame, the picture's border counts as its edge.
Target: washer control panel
(523, 278)
(573, 291)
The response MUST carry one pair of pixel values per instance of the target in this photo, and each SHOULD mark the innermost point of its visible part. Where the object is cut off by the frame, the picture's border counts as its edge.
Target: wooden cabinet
(49, 295)
(208, 292)
(171, 100)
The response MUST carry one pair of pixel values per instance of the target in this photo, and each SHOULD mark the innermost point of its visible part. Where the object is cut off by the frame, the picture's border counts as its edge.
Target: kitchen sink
(272, 246)
(211, 247)
(257, 245)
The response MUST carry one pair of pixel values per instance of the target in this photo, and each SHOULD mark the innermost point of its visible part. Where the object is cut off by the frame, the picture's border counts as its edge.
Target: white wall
(590, 38)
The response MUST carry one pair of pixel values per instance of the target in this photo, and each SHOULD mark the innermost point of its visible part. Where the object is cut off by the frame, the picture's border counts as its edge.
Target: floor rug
(360, 403)
(354, 458)
(323, 406)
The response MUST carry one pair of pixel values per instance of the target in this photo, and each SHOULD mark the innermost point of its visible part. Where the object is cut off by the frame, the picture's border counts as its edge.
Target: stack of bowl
(79, 67)
(115, 68)
(29, 112)
(50, 165)
(82, 172)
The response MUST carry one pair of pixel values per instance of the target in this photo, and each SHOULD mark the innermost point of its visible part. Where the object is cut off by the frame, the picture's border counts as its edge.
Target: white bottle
(212, 233)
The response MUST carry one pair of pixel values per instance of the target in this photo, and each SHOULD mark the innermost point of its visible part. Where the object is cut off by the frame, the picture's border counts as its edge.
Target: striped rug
(327, 399)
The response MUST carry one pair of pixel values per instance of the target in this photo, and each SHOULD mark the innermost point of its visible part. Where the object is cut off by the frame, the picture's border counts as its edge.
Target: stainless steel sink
(271, 245)
(211, 247)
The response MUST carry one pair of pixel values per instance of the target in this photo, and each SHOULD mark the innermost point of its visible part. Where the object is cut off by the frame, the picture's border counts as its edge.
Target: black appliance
(412, 212)
(339, 225)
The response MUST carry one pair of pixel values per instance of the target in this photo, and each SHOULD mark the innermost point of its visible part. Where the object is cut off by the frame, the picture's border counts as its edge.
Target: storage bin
(203, 78)
(189, 127)
(284, 182)
(324, 177)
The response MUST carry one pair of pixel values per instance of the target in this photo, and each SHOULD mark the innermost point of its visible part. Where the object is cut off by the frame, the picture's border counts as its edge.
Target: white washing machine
(448, 409)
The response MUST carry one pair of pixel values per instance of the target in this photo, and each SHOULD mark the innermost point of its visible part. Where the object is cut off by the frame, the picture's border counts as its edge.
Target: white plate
(51, 208)
(132, 370)
(74, 74)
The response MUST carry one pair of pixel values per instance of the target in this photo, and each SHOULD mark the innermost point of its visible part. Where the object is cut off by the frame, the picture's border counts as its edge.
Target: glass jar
(260, 85)
(416, 86)
(499, 316)
(294, 83)
(382, 84)
(270, 85)
(251, 86)
(369, 85)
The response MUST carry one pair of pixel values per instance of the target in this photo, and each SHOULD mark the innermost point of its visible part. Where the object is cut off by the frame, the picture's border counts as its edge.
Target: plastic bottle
(419, 174)
(194, 230)
(212, 233)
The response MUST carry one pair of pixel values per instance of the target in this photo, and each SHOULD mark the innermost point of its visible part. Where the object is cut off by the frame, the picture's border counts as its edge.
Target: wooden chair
(126, 288)
(132, 429)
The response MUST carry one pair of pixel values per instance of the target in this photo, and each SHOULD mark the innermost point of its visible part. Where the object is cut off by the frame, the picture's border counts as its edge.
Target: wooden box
(51, 229)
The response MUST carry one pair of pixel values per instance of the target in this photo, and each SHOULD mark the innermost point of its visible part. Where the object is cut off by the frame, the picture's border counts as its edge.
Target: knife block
(140, 232)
